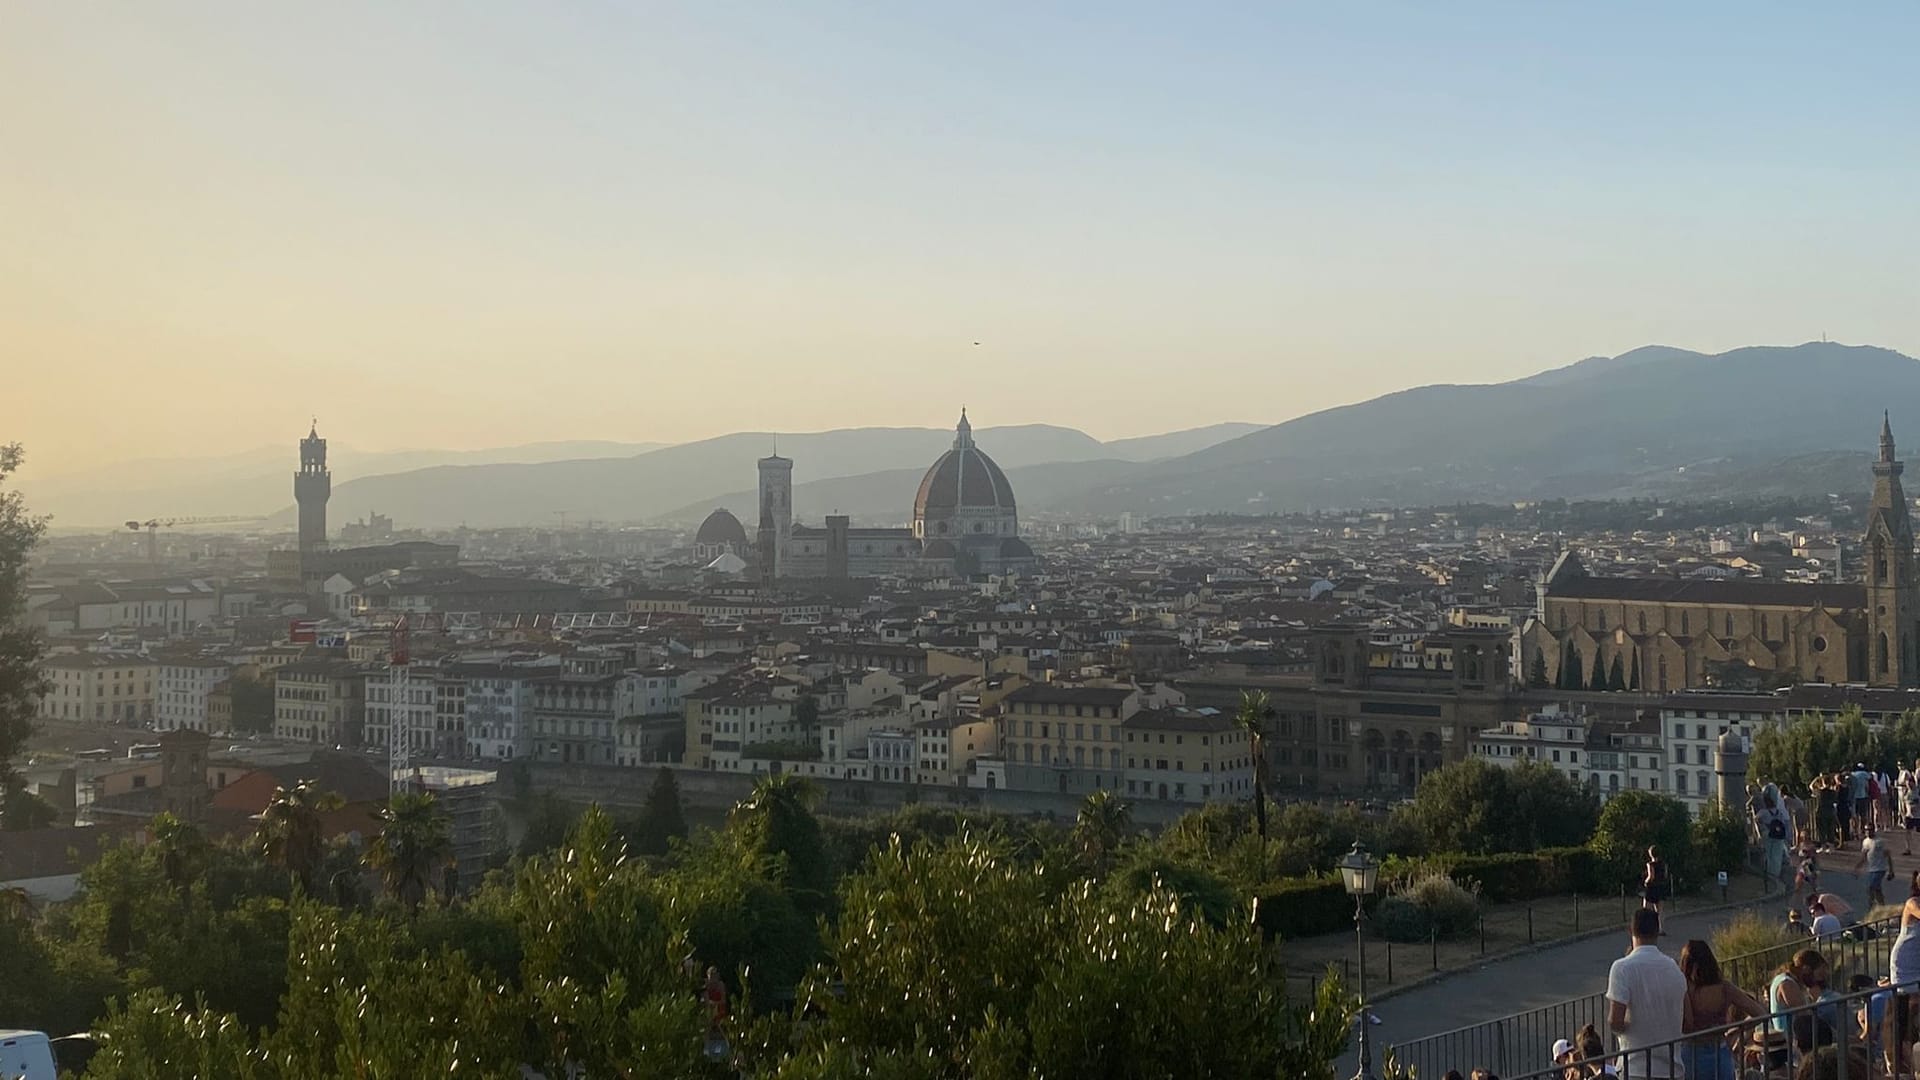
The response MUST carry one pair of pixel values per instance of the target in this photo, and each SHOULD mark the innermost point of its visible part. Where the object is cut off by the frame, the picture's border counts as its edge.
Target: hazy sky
(476, 224)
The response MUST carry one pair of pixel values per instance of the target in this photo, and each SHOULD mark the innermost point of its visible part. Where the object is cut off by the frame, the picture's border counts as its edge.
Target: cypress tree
(1598, 680)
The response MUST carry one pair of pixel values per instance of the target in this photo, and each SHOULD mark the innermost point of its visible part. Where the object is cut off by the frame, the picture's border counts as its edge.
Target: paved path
(1561, 972)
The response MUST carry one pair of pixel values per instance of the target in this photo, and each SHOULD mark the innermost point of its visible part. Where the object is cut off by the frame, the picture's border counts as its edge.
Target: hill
(1598, 427)
(256, 481)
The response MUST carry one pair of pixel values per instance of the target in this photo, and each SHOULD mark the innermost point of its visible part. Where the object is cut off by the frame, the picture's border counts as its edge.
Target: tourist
(1909, 801)
(1878, 863)
(1775, 828)
(1807, 874)
(1825, 1064)
(1797, 926)
(1646, 994)
(1790, 990)
(1825, 924)
(1904, 965)
(1871, 1017)
(1862, 782)
(1843, 807)
(1653, 887)
(1590, 1048)
(1827, 811)
(1711, 1003)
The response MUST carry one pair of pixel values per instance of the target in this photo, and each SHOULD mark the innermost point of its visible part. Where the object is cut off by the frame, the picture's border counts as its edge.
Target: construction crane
(399, 731)
(154, 525)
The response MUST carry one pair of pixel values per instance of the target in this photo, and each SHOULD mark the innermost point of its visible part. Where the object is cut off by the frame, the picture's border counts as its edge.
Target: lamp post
(1361, 873)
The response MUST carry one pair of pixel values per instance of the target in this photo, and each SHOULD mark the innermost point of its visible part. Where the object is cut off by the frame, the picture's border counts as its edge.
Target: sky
(482, 224)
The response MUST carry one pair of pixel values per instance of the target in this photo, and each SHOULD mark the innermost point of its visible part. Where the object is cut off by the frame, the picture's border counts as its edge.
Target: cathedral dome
(721, 527)
(964, 478)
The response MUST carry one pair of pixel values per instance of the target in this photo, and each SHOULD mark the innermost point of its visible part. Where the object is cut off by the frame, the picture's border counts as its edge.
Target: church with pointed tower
(1659, 634)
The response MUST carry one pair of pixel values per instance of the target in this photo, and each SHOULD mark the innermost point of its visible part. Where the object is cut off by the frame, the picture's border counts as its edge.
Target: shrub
(1751, 946)
(1634, 820)
(1429, 904)
(1303, 907)
(1719, 840)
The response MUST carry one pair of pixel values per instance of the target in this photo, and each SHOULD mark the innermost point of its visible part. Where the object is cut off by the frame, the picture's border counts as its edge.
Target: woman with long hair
(1904, 967)
(1711, 1002)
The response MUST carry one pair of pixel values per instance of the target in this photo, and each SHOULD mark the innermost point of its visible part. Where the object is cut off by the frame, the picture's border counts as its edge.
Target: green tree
(1598, 680)
(806, 711)
(21, 809)
(1633, 676)
(252, 704)
(661, 821)
(1251, 719)
(1478, 807)
(1719, 839)
(1633, 821)
(776, 823)
(1616, 675)
(1103, 826)
(414, 845)
(21, 683)
(292, 832)
(1537, 671)
(180, 847)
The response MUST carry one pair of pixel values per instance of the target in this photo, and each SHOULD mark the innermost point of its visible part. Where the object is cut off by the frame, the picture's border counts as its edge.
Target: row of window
(1600, 623)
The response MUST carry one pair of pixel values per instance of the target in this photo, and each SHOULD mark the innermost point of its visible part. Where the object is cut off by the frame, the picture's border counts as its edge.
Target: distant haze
(660, 223)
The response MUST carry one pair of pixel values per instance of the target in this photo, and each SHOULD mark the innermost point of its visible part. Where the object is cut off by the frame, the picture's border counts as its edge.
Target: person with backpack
(1776, 830)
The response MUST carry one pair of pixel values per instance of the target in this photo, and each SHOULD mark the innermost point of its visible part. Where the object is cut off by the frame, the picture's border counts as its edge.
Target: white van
(26, 1054)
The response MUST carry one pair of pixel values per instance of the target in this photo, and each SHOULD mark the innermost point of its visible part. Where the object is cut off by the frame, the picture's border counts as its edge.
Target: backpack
(1873, 787)
(1776, 829)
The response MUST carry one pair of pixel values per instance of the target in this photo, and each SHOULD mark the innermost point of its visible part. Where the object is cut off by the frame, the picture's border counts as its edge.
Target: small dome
(939, 549)
(1015, 548)
(721, 527)
(963, 477)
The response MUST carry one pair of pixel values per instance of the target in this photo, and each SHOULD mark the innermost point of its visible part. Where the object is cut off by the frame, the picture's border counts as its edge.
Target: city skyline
(813, 216)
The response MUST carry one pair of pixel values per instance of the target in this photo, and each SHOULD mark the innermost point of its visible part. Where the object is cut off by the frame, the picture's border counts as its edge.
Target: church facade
(1664, 634)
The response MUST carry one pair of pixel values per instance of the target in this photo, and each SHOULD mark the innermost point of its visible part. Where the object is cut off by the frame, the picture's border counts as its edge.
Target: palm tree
(415, 841)
(1105, 823)
(1252, 719)
(776, 821)
(179, 845)
(291, 832)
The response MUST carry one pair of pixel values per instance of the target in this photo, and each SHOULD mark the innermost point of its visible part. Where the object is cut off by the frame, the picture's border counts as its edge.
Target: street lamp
(1361, 873)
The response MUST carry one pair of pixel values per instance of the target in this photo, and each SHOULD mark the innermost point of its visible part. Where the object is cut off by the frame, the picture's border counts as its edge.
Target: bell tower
(1893, 593)
(776, 513)
(311, 487)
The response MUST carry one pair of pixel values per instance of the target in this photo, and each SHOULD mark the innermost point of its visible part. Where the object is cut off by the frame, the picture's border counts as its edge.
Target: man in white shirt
(1645, 995)
(1825, 923)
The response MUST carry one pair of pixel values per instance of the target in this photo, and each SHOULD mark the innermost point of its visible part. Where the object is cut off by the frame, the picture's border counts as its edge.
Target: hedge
(1303, 907)
(1515, 876)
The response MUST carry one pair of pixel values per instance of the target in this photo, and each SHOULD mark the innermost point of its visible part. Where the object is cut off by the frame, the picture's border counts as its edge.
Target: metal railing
(1522, 1041)
(1844, 1028)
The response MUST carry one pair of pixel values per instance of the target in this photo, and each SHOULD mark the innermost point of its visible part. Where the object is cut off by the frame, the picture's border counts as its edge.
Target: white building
(1552, 736)
(498, 704)
(413, 706)
(180, 695)
(1692, 722)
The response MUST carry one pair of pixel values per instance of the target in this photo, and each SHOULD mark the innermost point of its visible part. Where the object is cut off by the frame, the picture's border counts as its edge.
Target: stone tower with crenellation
(311, 487)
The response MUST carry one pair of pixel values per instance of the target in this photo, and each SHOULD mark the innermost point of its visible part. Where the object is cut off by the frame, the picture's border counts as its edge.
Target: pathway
(1561, 972)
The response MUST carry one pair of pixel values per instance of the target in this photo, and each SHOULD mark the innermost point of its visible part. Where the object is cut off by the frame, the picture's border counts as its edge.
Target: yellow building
(113, 688)
(1065, 738)
(320, 701)
(1188, 757)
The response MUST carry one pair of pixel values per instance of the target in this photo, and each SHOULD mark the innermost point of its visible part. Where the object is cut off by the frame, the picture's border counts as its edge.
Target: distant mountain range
(1656, 421)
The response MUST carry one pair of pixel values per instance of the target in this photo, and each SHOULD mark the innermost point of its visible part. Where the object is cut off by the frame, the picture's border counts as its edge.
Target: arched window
(1643, 622)
(1882, 660)
(1600, 617)
(1684, 620)
(1663, 675)
(1729, 624)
